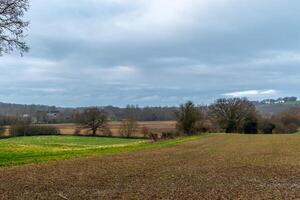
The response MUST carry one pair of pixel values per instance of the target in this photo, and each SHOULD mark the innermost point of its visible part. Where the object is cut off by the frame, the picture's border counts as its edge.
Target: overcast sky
(155, 52)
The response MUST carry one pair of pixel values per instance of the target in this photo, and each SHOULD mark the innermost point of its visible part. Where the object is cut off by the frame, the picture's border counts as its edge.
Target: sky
(154, 52)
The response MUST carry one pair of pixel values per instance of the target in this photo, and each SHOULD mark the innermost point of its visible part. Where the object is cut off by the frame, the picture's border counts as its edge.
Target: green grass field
(22, 150)
(35, 149)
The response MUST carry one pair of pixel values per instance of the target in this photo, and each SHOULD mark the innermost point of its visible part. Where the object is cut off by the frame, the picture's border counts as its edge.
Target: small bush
(153, 136)
(250, 125)
(77, 131)
(128, 127)
(33, 130)
(107, 132)
(266, 126)
(204, 126)
(169, 135)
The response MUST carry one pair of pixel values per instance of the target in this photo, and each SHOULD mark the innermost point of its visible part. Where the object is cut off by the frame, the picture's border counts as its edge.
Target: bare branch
(12, 25)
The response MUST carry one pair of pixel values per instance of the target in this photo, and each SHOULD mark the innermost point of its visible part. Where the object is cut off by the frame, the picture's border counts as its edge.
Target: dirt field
(217, 167)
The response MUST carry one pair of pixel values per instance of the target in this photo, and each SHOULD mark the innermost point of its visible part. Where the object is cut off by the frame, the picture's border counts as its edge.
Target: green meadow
(22, 150)
(36, 149)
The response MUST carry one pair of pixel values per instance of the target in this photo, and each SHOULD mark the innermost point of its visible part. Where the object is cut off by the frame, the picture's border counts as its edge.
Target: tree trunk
(94, 131)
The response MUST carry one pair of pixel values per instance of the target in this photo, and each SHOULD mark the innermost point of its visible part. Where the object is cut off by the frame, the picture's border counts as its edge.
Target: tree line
(45, 114)
(40, 114)
(235, 115)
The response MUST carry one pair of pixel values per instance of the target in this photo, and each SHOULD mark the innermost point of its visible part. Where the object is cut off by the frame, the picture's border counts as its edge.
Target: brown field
(155, 127)
(215, 167)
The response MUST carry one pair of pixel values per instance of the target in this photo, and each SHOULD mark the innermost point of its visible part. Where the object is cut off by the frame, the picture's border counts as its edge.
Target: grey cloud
(154, 52)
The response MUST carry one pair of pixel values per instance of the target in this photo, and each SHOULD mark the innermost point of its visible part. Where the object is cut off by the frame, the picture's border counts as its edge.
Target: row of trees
(92, 120)
(230, 115)
(44, 114)
(235, 115)
(51, 115)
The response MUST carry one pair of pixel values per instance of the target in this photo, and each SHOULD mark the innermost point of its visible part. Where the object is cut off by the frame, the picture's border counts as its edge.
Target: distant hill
(275, 108)
(21, 109)
(272, 106)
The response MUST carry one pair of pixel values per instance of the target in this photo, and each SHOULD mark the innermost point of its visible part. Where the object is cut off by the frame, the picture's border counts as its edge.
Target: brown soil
(219, 167)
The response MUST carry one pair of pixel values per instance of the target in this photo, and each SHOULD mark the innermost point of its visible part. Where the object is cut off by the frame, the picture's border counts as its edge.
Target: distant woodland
(52, 114)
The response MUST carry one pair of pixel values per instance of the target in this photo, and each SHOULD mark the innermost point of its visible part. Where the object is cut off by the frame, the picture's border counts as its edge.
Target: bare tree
(12, 25)
(93, 119)
(232, 114)
(128, 127)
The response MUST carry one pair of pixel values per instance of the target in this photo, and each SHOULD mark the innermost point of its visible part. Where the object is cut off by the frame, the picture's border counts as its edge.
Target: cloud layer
(155, 52)
(252, 93)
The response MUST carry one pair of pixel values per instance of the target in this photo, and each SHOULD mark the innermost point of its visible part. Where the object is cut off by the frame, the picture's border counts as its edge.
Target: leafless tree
(93, 119)
(128, 127)
(231, 114)
(12, 25)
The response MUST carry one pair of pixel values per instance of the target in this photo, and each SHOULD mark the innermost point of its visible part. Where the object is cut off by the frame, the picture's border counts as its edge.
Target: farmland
(155, 127)
(22, 150)
(217, 166)
(37, 149)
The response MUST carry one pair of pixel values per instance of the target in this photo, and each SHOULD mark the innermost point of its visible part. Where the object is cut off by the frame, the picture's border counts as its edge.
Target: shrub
(250, 125)
(280, 128)
(77, 131)
(168, 135)
(204, 126)
(153, 136)
(107, 132)
(33, 130)
(266, 126)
